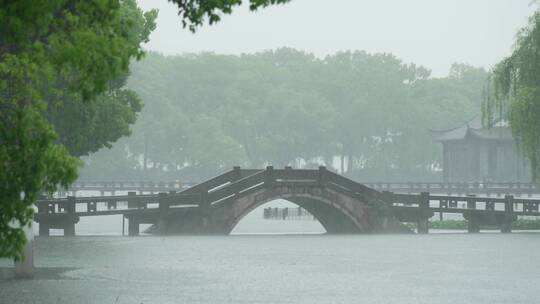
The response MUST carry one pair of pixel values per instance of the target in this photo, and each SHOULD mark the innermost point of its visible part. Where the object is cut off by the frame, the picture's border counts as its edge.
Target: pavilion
(475, 153)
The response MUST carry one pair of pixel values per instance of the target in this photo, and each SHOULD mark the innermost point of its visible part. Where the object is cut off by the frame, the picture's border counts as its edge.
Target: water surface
(435, 268)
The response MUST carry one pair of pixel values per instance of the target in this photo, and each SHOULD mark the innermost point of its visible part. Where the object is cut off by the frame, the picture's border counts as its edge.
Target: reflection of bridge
(340, 204)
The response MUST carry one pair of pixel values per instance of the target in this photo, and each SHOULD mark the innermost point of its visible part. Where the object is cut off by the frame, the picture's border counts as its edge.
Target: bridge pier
(69, 229)
(474, 220)
(64, 218)
(44, 228)
(133, 227)
(473, 224)
(131, 203)
(423, 219)
(506, 225)
(163, 212)
(204, 210)
(423, 226)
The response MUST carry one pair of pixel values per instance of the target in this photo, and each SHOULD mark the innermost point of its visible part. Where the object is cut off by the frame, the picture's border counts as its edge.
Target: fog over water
(432, 33)
(405, 269)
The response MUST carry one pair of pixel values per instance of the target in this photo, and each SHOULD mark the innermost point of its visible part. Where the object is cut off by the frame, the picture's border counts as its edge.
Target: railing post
(71, 205)
(490, 206)
(443, 204)
(163, 203)
(423, 214)
(133, 226)
(204, 208)
(322, 176)
(131, 202)
(388, 197)
(506, 225)
(42, 209)
(473, 222)
(270, 179)
(204, 204)
(111, 205)
(163, 212)
(471, 201)
(237, 173)
(44, 224)
(69, 225)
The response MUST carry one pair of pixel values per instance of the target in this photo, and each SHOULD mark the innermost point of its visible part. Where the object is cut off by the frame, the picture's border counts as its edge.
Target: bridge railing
(289, 174)
(497, 188)
(484, 187)
(346, 183)
(237, 187)
(109, 204)
(458, 204)
(193, 196)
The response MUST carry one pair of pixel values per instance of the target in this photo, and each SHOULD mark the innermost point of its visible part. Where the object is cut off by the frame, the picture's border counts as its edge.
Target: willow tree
(515, 93)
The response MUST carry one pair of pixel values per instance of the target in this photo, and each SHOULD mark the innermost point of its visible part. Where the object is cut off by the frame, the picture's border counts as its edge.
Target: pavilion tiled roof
(474, 128)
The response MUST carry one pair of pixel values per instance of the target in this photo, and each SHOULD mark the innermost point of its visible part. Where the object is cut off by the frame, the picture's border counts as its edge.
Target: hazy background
(272, 102)
(432, 33)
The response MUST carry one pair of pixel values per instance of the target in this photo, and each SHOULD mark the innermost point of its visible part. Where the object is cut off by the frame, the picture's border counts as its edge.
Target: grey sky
(432, 33)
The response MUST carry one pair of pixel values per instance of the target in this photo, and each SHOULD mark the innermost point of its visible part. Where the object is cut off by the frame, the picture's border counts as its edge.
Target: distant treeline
(366, 115)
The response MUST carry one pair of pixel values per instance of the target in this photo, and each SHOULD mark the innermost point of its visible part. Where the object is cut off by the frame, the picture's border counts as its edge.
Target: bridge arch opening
(278, 216)
(333, 217)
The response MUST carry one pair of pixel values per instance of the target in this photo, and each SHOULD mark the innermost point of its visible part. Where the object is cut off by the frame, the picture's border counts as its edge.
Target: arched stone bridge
(341, 205)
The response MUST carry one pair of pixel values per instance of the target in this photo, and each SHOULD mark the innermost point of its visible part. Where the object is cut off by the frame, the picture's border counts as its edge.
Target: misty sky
(432, 33)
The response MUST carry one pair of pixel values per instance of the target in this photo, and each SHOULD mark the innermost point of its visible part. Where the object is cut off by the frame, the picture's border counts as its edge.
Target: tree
(80, 46)
(195, 12)
(515, 92)
(80, 41)
(205, 112)
(85, 127)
